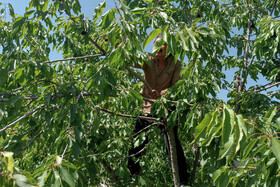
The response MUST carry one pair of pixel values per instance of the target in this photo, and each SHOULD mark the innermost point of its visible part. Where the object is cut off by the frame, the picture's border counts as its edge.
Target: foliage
(69, 122)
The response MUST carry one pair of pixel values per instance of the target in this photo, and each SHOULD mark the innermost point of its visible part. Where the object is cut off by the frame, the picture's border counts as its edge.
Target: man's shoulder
(174, 62)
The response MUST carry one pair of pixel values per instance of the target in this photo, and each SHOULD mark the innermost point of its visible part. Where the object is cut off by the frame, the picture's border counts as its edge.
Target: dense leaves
(69, 122)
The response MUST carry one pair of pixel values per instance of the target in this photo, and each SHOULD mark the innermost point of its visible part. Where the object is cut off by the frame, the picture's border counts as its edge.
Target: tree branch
(140, 78)
(31, 141)
(96, 45)
(75, 58)
(246, 55)
(41, 80)
(126, 115)
(33, 46)
(173, 155)
(278, 83)
(110, 171)
(273, 8)
(197, 154)
(21, 118)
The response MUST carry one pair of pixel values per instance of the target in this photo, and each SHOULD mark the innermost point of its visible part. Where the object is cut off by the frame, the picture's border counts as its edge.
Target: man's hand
(155, 94)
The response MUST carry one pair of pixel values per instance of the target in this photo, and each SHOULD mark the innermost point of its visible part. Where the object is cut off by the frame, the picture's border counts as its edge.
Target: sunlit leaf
(152, 35)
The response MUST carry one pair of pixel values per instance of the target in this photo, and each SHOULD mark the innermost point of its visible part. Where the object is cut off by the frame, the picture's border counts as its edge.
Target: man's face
(162, 52)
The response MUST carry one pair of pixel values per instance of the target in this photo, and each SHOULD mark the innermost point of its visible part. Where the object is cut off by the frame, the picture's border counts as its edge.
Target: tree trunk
(173, 156)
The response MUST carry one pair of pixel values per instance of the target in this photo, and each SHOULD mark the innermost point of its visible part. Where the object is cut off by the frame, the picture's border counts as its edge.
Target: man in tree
(162, 73)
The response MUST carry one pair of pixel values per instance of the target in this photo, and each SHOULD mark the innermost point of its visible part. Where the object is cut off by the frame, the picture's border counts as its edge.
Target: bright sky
(88, 7)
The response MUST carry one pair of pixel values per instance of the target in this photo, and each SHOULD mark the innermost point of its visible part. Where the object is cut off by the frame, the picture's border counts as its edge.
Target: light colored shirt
(160, 79)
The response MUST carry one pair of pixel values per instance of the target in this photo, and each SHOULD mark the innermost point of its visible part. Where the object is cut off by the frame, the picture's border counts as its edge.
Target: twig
(41, 80)
(22, 117)
(268, 87)
(31, 141)
(81, 94)
(139, 132)
(246, 73)
(33, 46)
(140, 78)
(126, 115)
(189, 16)
(75, 58)
(274, 5)
(64, 151)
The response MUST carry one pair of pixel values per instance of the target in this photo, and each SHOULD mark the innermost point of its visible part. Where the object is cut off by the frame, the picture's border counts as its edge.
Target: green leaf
(270, 114)
(183, 40)
(99, 10)
(227, 124)
(70, 165)
(136, 95)
(21, 181)
(192, 35)
(152, 35)
(1, 114)
(76, 7)
(247, 149)
(212, 129)
(45, 6)
(138, 10)
(238, 135)
(57, 178)
(158, 45)
(9, 161)
(67, 177)
(275, 148)
(42, 179)
(11, 10)
(19, 22)
(4, 77)
(172, 44)
(107, 19)
(226, 148)
(218, 173)
(241, 123)
(200, 129)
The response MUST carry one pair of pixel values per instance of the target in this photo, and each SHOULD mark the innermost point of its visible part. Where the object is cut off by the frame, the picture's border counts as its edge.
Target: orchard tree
(68, 122)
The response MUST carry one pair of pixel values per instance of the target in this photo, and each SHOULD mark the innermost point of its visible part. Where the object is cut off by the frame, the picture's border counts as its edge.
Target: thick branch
(96, 45)
(22, 117)
(109, 170)
(140, 78)
(173, 156)
(75, 58)
(246, 54)
(196, 161)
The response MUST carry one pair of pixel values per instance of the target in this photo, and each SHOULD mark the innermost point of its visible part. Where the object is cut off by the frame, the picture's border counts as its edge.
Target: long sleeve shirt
(160, 79)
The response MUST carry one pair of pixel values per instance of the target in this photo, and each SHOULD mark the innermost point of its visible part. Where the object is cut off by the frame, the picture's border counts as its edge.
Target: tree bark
(173, 156)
